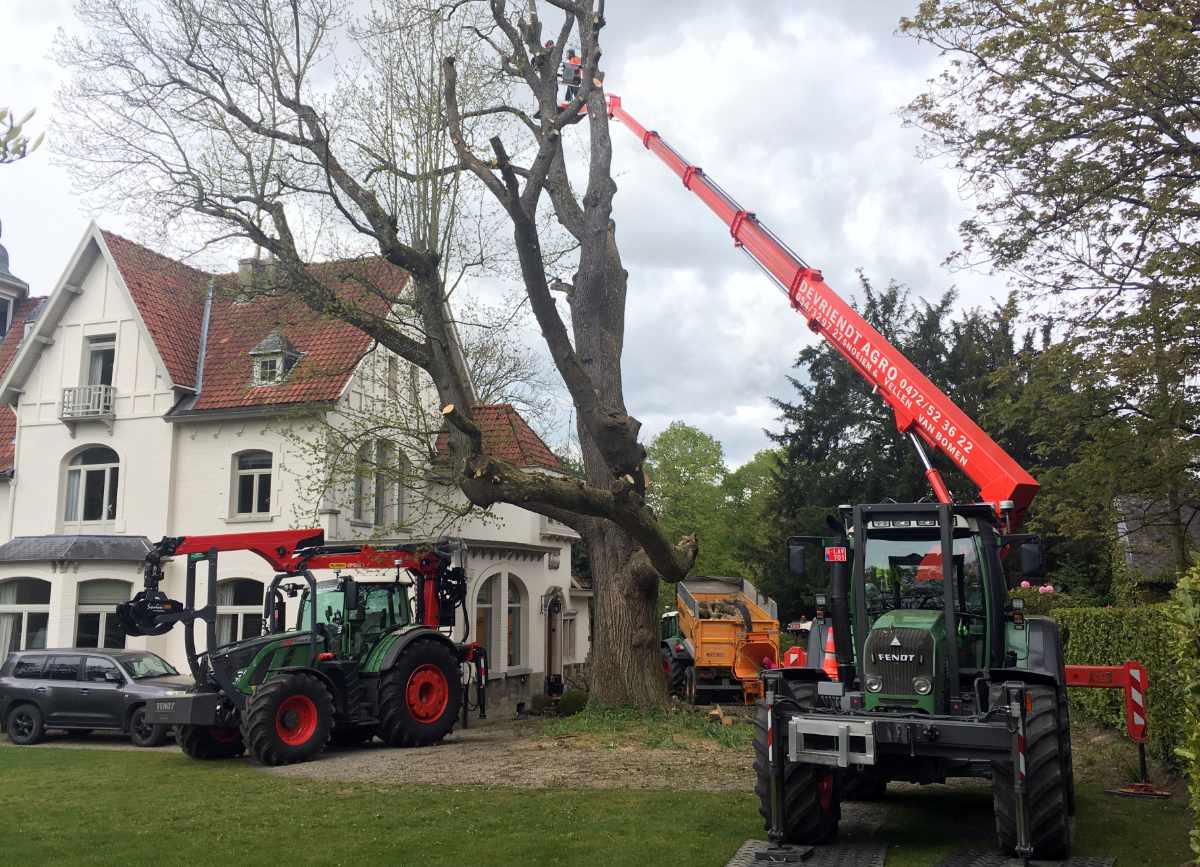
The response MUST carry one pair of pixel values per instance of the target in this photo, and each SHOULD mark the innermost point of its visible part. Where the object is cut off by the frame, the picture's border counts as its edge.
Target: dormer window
(274, 357)
(6, 306)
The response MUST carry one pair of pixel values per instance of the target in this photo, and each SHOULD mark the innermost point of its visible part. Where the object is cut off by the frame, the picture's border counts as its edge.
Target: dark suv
(84, 689)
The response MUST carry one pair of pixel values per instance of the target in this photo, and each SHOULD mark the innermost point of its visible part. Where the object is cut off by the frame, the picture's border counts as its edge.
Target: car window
(97, 668)
(147, 665)
(63, 668)
(29, 666)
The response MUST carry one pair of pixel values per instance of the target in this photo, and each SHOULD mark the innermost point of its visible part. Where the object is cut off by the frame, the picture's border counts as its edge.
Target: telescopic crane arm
(922, 411)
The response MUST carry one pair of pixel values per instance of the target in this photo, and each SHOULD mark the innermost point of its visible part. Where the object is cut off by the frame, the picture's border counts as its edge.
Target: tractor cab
(919, 599)
(355, 615)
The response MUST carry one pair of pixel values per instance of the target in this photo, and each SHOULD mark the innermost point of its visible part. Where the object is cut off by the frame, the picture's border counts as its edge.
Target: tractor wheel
(210, 742)
(25, 724)
(677, 677)
(420, 695)
(288, 719)
(811, 801)
(145, 734)
(1064, 726)
(1046, 782)
(689, 684)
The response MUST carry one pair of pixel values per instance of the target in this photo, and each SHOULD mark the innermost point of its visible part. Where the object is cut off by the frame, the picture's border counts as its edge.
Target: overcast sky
(791, 107)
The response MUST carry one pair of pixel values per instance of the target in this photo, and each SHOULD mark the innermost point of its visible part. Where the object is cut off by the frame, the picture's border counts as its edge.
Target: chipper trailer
(356, 663)
(717, 641)
(938, 673)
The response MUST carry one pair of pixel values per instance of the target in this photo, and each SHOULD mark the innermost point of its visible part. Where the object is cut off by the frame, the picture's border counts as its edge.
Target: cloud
(792, 108)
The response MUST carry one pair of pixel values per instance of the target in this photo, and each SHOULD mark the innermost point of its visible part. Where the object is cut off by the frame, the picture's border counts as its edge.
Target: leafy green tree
(686, 469)
(1076, 126)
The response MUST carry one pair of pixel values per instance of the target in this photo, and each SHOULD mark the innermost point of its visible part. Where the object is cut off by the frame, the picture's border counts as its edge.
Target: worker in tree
(572, 73)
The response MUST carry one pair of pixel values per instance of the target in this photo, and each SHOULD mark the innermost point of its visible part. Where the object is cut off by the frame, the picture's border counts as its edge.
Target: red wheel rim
(296, 720)
(427, 693)
(224, 735)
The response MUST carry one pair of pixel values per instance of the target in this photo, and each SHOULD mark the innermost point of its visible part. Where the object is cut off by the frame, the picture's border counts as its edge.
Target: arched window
(91, 494)
(518, 608)
(24, 614)
(485, 611)
(239, 609)
(252, 483)
(96, 621)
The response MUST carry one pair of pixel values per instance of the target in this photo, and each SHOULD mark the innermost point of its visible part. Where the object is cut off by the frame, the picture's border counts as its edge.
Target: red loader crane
(938, 673)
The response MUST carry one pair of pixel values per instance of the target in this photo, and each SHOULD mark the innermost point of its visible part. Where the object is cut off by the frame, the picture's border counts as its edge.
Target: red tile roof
(507, 436)
(8, 351)
(170, 298)
(330, 349)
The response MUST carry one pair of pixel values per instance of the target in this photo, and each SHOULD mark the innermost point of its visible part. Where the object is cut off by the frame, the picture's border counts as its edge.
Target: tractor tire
(811, 800)
(288, 719)
(677, 677)
(144, 734)
(210, 742)
(420, 695)
(1046, 782)
(1064, 725)
(25, 725)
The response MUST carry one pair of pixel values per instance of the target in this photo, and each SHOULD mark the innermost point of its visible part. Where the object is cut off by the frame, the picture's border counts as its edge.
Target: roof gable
(169, 296)
(508, 437)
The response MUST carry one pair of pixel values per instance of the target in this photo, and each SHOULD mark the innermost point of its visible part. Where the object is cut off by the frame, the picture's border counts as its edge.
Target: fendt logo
(896, 657)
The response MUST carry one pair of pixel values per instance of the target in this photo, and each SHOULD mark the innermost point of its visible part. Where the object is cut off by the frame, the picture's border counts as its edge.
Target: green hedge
(1186, 614)
(1111, 636)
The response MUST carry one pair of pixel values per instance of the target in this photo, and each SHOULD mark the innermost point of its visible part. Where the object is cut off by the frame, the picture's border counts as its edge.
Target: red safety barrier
(1132, 678)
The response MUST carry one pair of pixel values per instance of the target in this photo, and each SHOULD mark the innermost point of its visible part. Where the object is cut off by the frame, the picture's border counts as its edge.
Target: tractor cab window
(329, 605)
(903, 570)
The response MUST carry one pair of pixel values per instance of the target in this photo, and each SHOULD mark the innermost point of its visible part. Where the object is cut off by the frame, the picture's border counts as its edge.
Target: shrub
(1187, 617)
(572, 702)
(538, 703)
(1111, 636)
(1042, 603)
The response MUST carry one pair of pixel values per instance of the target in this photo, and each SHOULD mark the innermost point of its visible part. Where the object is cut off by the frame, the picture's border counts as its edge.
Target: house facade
(138, 401)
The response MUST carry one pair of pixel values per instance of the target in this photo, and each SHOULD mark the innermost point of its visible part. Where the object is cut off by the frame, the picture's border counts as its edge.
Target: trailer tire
(811, 798)
(210, 742)
(288, 719)
(1046, 780)
(420, 696)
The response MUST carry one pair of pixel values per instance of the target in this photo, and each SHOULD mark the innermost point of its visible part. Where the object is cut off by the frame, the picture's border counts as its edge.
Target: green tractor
(358, 662)
(938, 675)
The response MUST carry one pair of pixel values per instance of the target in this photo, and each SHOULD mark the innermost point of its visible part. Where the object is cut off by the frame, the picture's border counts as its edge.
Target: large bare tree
(230, 111)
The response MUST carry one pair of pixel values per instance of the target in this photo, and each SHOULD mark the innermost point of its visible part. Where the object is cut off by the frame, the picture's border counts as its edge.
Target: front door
(58, 691)
(554, 667)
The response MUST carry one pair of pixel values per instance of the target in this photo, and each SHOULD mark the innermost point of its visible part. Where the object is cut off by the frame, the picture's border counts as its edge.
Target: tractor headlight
(922, 685)
(874, 683)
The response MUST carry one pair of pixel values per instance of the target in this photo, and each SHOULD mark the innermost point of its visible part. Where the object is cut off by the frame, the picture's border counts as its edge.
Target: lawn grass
(676, 727)
(66, 806)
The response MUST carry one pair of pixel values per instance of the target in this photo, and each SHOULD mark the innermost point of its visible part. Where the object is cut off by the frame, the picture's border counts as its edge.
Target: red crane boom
(922, 411)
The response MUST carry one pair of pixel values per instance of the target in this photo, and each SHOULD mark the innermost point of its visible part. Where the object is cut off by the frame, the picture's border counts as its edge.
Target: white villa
(135, 405)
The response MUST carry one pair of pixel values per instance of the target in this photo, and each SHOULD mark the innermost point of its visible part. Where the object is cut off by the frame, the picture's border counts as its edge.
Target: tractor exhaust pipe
(839, 598)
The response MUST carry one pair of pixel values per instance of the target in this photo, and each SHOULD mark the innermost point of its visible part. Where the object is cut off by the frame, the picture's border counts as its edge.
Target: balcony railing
(87, 401)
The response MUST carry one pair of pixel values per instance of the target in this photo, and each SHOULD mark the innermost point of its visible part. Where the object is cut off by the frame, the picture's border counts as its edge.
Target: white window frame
(260, 377)
(105, 610)
(256, 473)
(521, 658)
(96, 344)
(570, 641)
(23, 610)
(110, 498)
(363, 507)
(238, 611)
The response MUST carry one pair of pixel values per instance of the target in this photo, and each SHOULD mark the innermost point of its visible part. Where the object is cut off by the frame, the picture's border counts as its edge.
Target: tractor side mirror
(1032, 562)
(797, 561)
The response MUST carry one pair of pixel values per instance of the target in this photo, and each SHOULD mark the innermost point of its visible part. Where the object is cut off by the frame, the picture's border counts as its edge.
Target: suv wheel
(143, 733)
(25, 724)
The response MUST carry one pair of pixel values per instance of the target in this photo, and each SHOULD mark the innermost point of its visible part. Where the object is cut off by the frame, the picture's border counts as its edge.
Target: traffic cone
(829, 657)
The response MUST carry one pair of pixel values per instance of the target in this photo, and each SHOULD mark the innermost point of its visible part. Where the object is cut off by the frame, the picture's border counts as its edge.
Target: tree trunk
(625, 662)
